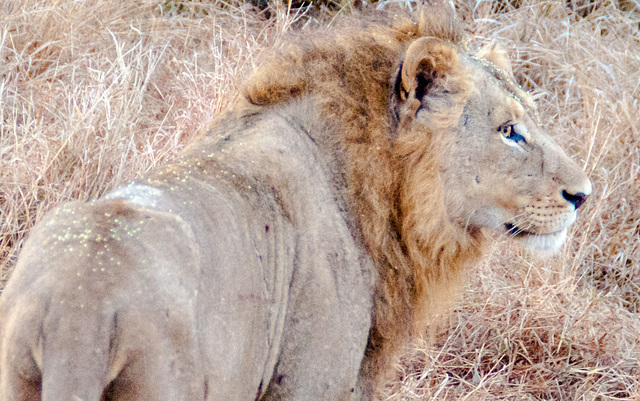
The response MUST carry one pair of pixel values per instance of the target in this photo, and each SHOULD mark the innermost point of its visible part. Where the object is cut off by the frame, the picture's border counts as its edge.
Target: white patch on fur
(140, 195)
(544, 242)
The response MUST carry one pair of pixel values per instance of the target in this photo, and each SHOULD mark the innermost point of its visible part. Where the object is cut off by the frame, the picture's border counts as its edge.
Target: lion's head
(499, 168)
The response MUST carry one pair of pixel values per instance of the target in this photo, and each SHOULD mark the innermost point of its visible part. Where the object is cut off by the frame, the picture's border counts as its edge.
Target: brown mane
(392, 167)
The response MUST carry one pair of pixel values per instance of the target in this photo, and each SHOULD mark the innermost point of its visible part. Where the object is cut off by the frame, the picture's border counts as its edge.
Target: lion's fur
(394, 186)
(302, 240)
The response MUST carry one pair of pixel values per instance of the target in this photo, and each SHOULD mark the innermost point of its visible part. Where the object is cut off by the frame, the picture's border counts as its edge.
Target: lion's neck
(396, 192)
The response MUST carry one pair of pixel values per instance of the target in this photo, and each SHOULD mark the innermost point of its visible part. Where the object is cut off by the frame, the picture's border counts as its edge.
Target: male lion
(293, 248)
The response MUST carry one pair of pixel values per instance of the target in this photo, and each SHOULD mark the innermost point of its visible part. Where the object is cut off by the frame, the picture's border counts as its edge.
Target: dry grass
(92, 93)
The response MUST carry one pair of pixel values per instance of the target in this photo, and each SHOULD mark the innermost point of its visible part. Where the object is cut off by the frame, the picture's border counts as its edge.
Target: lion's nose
(577, 199)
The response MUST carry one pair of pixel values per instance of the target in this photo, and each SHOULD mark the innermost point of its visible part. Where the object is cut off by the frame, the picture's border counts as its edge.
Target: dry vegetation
(92, 93)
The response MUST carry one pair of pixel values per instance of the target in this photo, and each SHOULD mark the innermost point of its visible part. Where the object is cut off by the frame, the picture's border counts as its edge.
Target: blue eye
(509, 132)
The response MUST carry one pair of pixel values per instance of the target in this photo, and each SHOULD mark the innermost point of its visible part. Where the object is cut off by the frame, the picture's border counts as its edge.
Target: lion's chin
(543, 243)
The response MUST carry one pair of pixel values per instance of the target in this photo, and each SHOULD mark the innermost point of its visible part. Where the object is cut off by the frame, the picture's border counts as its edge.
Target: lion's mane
(392, 165)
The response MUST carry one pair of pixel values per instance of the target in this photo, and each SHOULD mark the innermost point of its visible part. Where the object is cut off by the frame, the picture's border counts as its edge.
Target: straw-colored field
(94, 92)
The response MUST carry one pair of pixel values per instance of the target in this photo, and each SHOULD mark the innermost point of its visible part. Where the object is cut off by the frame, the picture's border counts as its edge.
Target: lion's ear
(426, 61)
(497, 55)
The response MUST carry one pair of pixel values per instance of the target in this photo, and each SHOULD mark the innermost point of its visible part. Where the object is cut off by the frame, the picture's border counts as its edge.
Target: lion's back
(215, 265)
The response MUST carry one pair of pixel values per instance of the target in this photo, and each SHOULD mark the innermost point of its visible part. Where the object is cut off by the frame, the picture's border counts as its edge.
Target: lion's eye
(509, 132)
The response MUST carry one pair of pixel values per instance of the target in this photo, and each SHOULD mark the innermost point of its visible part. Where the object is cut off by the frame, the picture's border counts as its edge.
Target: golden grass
(92, 93)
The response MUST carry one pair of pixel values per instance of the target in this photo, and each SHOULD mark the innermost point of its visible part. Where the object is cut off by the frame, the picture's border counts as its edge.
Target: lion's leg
(16, 386)
(326, 330)
(153, 355)
(132, 355)
(19, 372)
(158, 375)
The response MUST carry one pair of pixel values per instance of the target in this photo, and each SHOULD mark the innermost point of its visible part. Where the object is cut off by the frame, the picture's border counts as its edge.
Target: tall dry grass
(92, 93)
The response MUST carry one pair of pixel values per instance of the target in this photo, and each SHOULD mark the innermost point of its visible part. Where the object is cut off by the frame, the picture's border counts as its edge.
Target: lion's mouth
(515, 231)
(535, 241)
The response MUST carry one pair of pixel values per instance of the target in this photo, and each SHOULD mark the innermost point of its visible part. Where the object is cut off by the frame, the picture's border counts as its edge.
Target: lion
(299, 243)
